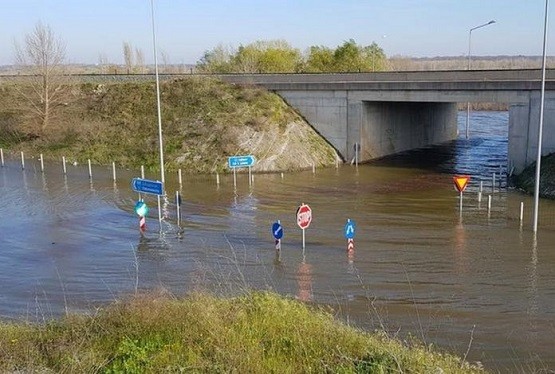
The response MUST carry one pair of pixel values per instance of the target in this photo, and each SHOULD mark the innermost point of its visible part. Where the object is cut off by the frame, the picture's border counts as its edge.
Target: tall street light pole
(162, 174)
(469, 40)
(540, 129)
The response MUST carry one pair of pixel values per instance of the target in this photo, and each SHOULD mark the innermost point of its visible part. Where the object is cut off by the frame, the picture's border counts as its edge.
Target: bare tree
(103, 63)
(165, 61)
(128, 56)
(140, 60)
(41, 57)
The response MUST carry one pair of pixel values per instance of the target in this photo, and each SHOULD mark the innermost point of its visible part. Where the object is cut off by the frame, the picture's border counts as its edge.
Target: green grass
(255, 333)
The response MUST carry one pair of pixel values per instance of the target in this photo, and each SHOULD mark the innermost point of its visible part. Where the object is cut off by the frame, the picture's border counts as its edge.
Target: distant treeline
(279, 57)
(407, 63)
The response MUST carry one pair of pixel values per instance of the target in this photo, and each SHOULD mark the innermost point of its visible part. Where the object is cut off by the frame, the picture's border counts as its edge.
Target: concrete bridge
(390, 112)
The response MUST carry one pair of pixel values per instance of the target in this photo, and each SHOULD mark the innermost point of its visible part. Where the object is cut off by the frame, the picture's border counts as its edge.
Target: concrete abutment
(380, 127)
(524, 119)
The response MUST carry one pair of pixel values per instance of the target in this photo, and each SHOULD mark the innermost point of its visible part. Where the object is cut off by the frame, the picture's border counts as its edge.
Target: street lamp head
(482, 25)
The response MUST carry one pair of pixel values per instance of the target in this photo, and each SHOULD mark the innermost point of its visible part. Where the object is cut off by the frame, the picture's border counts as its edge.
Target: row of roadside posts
(304, 214)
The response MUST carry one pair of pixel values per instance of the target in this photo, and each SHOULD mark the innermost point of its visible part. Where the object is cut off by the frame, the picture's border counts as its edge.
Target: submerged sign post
(277, 232)
(142, 211)
(141, 185)
(304, 218)
(349, 232)
(461, 181)
(235, 162)
(148, 186)
(241, 161)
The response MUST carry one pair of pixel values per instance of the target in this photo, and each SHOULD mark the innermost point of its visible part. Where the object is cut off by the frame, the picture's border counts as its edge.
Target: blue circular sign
(141, 209)
(277, 230)
(350, 228)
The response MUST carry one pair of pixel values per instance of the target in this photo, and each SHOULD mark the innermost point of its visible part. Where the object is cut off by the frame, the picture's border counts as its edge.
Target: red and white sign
(350, 245)
(461, 181)
(304, 216)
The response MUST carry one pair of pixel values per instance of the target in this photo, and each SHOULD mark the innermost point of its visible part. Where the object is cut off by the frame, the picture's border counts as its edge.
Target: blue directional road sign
(350, 228)
(148, 186)
(277, 230)
(241, 161)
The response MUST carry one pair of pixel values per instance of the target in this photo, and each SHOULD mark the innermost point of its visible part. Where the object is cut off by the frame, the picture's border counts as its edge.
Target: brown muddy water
(478, 285)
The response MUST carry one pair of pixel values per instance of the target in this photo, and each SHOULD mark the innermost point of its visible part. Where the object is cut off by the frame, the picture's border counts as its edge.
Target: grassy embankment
(525, 181)
(254, 333)
(204, 121)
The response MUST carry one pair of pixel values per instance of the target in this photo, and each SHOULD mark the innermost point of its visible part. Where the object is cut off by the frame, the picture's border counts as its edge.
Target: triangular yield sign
(461, 181)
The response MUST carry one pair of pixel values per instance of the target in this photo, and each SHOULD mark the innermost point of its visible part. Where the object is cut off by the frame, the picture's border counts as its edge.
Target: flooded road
(476, 284)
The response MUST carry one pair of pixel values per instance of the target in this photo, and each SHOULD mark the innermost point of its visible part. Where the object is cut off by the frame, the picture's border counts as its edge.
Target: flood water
(476, 284)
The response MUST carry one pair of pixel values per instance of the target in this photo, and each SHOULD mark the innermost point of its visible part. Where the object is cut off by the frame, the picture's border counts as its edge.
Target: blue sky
(185, 29)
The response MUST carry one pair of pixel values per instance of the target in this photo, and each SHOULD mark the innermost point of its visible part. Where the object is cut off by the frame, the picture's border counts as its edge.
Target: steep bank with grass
(204, 121)
(254, 333)
(525, 181)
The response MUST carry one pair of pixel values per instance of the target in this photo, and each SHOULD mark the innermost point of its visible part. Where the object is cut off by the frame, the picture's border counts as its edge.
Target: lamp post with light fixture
(162, 174)
(469, 41)
(540, 128)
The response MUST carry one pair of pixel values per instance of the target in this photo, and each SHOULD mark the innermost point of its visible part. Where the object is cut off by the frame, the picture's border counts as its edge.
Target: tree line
(278, 56)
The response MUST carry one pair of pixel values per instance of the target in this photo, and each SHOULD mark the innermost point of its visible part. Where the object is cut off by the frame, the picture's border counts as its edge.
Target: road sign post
(150, 187)
(142, 210)
(241, 161)
(349, 232)
(460, 182)
(277, 232)
(304, 218)
(178, 207)
(235, 162)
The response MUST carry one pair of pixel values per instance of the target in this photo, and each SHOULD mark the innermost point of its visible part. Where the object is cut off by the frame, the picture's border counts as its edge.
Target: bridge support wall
(380, 127)
(326, 111)
(524, 119)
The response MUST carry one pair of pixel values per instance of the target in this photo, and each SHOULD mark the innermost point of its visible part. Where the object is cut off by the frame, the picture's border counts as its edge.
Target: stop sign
(304, 216)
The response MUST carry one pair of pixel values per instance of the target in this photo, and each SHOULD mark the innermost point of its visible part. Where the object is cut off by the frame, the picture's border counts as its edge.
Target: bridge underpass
(392, 127)
(391, 112)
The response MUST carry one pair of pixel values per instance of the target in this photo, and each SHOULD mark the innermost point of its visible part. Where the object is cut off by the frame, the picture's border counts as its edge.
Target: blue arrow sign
(277, 230)
(148, 186)
(350, 228)
(241, 161)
